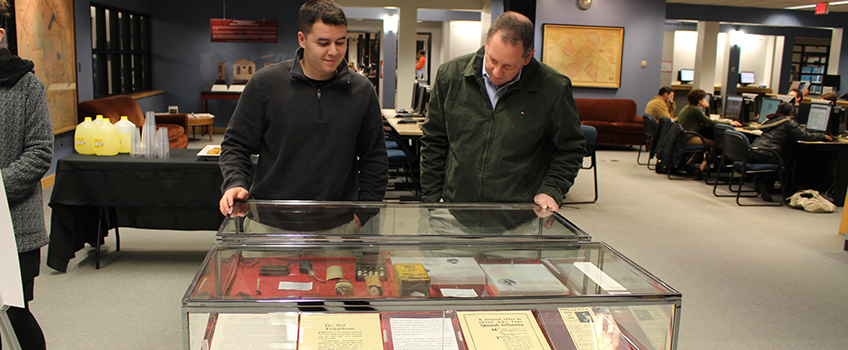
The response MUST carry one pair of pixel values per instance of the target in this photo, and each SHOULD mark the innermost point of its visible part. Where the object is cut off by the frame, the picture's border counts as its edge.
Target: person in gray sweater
(315, 125)
(26, 150)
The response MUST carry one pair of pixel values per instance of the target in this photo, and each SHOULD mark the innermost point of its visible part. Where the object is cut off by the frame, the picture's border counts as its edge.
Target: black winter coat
(778, 131)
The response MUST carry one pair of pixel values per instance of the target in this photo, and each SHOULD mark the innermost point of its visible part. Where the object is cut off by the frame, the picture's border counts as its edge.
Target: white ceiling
(776, 4)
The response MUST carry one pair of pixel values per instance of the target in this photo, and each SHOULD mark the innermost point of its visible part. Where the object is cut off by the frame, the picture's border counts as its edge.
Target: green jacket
(530, 144)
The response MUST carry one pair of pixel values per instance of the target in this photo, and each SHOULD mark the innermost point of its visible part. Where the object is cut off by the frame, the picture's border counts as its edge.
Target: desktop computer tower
(838, 119)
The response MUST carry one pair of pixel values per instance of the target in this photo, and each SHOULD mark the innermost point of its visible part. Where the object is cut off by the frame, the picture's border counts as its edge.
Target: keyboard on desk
(410, 120)
(408, 115)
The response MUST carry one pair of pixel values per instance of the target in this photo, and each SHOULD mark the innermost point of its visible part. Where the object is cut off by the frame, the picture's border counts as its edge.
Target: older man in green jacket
(501, 127)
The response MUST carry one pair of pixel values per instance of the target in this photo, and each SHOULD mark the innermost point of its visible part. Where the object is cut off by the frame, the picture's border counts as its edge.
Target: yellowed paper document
(585, 329)
(340, 332)
(502, 330)
(654, 323)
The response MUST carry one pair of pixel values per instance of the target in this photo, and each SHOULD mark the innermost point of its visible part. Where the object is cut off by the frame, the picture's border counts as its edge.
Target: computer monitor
(733, 107)
(415, 95)
(819, 117)
(423, 100)
(686, 76)
(795, 85)
(747, 78)
(767, 106)
(832, 81)
(785, 98)
(804, 85)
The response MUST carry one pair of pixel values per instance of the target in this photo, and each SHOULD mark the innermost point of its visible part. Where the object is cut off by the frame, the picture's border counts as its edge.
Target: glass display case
(307, 275)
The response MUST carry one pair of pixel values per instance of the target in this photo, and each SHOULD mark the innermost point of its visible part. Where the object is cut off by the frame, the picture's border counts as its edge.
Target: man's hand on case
(231, 195)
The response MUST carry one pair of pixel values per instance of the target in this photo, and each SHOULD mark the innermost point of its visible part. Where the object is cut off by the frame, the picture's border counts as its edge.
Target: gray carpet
(751, 278)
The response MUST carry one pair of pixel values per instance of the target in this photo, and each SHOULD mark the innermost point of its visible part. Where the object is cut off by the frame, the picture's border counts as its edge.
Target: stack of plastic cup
(137, 148)
(148, 135)
(163, 148)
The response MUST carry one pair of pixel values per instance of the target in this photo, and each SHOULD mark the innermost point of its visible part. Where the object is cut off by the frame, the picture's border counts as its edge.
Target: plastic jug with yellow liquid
(125, 130)
(107, 141)
(83, 142)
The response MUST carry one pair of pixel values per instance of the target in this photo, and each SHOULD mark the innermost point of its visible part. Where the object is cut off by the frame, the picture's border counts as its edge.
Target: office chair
(715, 156)
(591, 135)
(688, 151)
(738, 149)
(401, 158)
(650, 127)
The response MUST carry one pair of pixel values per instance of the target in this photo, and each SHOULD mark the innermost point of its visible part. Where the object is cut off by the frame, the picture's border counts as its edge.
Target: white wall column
(835, 49)
(407, 36)
(705, 56)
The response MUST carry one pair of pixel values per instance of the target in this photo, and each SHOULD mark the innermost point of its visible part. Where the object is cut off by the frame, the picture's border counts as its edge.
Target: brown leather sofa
(116, 106)
(615, 119)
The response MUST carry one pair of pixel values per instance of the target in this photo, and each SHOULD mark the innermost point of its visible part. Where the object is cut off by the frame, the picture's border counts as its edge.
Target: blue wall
(643, 22)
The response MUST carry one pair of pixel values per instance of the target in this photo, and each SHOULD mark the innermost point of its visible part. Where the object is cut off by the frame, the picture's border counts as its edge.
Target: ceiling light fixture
(802, 7)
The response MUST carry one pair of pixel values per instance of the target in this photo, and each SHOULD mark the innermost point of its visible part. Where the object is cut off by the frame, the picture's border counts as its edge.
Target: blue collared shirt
(494, 91)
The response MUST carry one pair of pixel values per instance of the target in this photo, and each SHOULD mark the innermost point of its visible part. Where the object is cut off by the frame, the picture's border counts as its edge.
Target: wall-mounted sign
(821, 8)
(243, 31)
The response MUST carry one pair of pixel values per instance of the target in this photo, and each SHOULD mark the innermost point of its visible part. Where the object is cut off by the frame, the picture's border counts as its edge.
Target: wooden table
(205, 96)
(202, 121)
(178, 193)
(412, 130)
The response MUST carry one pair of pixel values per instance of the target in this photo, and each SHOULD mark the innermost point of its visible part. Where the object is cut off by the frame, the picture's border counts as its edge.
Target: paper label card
(423, 334)
(340, 332)
(502, 330)
(271, 331)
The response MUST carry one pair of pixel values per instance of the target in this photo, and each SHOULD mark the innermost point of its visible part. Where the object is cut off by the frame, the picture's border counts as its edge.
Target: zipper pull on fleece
(319, 94)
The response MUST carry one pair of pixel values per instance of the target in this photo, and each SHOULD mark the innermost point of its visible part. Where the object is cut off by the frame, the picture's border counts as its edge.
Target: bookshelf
(810, 64)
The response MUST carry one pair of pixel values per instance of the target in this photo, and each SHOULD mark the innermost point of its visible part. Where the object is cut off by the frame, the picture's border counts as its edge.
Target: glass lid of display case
(378, 269)
(270, 220)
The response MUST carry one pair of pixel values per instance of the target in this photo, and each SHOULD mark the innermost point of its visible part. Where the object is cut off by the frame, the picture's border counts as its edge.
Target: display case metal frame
(234, 244)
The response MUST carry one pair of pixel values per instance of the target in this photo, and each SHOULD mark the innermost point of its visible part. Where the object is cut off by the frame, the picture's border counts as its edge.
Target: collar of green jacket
(529, 79)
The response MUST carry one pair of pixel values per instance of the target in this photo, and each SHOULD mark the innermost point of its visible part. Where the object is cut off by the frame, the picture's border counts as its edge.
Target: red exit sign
(821, 8)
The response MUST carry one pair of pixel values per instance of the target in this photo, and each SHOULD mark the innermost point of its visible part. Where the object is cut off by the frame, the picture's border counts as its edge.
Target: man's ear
(301, 39)
(529, 56)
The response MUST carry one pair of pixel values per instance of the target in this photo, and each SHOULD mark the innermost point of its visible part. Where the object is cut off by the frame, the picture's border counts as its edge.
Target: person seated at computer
(692, 118)
(662, 105)
(829, 96)
(798, 95)
(778, 131)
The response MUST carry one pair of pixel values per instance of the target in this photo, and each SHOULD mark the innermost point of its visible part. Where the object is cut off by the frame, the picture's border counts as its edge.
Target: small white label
(81, 141)
(299, 286)
(98, 143)
(459, 293)
(599, 277)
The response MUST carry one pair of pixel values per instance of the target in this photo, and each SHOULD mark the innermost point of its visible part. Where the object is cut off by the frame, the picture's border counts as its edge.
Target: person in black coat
(778, 131)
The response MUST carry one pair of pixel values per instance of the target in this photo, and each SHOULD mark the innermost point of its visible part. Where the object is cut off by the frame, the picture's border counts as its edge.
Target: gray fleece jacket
(26, 148)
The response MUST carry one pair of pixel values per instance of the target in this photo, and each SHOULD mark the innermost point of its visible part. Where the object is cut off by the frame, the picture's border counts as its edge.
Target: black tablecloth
(179, 193)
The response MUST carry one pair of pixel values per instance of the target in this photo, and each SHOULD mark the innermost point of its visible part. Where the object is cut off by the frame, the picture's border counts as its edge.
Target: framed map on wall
(590, 56)
(45, 33)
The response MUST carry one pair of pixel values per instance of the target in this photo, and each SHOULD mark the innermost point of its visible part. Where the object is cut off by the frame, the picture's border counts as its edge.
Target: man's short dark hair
(785, 108)
(514, 28)
(665, 90)
(4, 13)
(799, 95)
(327, 11)
(695, 96)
